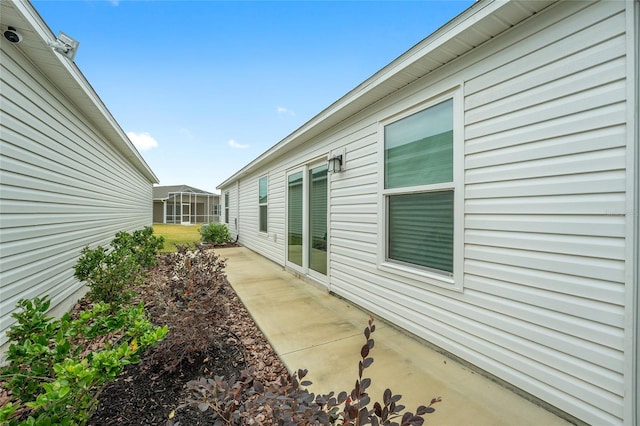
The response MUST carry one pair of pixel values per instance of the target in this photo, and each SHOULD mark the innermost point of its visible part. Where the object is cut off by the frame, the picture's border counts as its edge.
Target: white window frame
(453, 281)
(227, 201)
(265, 205)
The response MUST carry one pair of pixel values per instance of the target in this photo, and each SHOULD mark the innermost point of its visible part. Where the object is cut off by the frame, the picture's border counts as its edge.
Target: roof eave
(373, 90)
(90, 103)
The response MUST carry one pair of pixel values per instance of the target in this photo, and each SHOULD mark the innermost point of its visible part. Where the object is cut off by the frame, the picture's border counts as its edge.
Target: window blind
(421, 229)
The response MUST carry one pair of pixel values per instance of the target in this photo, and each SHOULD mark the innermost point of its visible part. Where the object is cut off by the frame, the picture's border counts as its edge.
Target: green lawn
(176, 234)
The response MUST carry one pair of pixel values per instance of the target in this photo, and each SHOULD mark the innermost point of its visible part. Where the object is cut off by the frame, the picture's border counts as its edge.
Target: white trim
(89, 101)
(375, 86)
(454, 282)
(305, 268)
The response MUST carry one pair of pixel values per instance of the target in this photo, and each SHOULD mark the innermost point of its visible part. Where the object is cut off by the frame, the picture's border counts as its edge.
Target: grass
(176, 234)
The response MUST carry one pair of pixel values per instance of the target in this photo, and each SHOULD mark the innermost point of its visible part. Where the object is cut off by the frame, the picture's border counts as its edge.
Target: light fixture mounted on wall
(336, 161)
(335, 164)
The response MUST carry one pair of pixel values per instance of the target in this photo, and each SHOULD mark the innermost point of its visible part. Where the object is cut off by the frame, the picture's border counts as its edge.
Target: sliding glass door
(294, 219)
(307, 220)
(318, 219)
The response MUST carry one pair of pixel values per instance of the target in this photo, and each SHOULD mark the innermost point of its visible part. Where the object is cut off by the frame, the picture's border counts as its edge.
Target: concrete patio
(312, 329)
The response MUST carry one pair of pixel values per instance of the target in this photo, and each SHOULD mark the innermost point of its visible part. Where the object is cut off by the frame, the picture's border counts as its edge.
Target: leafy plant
(194, 290)
(52, 375)
(142, 244)
(111, 274)
(215, 233)
(247, 401)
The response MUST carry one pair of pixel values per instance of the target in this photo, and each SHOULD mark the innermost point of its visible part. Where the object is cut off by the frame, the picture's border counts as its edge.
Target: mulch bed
(149, 393)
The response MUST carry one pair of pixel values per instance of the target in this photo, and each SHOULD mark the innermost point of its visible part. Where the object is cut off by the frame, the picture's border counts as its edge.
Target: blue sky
(204, 87)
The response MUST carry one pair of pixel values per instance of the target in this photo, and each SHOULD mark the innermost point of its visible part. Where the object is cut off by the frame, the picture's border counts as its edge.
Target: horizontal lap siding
(542, 305)
(354, 222)
(232, 209)
(63, 187)
(361, 173)
(544, 185)
(250, 236)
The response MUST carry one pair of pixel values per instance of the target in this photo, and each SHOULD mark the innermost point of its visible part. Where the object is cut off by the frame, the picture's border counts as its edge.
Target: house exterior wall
(543, 297)
(63, 186)
(230, 212)
(202, 208)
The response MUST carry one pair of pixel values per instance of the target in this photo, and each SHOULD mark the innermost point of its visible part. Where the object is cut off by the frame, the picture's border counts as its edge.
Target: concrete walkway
(312, 329)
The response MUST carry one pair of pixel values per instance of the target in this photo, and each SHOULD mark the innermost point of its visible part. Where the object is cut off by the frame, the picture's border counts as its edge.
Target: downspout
(237, 233)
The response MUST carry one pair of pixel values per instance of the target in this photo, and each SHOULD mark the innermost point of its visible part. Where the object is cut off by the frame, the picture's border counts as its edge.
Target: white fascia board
(471, 16)
(107, 123)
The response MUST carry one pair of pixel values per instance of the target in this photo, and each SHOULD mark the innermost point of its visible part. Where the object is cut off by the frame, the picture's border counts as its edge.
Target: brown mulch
(149, 393)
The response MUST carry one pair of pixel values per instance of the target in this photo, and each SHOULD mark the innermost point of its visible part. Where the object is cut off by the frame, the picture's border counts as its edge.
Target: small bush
(194, 291)
(111, 274)
(53, 376)
(247, 401)
(142, 244)
(215, 233)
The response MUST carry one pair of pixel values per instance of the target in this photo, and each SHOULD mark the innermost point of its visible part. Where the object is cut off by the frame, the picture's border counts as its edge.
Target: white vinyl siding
(544, 182)
(63, 186)
(544, 191)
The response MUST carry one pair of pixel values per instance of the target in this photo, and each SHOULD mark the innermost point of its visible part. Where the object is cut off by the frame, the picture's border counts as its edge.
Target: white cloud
(285, 111)
(186, 133)
(142, 141)
(233, 144)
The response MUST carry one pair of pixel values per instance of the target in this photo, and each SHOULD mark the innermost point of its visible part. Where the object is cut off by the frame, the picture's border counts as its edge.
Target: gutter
(335, 113)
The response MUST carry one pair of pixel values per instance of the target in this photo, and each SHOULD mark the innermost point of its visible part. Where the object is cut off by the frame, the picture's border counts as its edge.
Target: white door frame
(318, 276)
(305, 269)
(288, 263)
(188, 221)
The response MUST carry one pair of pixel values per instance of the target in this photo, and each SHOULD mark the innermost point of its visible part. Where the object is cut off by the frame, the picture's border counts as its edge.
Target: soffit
(66, 76)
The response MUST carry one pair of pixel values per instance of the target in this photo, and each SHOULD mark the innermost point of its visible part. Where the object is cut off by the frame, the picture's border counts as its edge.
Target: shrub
(194, 295)
(112, 274)
(215, 233)
(52, 375)
(246, 401)
(142, 244)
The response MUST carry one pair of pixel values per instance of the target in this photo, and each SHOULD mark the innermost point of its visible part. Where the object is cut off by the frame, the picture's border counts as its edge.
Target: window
(294, 218)
(263, 184)
(318, 219)
(226, 207)
(418, 194)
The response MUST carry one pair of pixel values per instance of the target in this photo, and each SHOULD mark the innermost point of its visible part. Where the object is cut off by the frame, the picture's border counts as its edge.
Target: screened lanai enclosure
(184, 205)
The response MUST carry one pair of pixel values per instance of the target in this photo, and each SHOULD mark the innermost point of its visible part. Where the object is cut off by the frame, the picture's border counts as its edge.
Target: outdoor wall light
(335, 164)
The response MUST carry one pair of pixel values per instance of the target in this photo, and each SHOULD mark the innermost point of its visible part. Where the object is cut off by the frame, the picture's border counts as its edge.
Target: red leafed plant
(246, 400)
